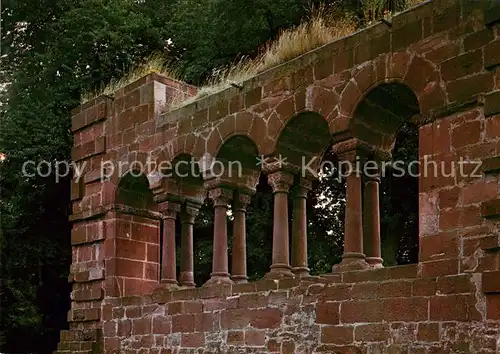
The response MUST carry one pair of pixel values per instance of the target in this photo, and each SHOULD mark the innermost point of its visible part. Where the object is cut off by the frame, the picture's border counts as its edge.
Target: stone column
(220, 269)
(299, 228)
(169, 211)
(186, 276)
(280, 267)
(371, 222)
(353, 257)
(239, 250)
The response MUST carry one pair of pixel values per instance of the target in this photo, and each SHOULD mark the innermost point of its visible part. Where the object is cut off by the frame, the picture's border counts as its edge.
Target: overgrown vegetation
(319, 29)
(55, 50)
(155, 63)
(323, 25)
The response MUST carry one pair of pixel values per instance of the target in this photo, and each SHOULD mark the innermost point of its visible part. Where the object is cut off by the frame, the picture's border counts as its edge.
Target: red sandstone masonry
(451, 307)
(447, 54)
(100, 253)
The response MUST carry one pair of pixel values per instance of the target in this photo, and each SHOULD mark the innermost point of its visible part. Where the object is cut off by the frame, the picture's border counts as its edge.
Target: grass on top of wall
(319, 30)
(323, 26)
(156, 63)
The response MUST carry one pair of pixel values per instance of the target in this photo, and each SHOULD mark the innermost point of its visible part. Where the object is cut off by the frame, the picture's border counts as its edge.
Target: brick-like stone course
(448, 54)
(448, 312)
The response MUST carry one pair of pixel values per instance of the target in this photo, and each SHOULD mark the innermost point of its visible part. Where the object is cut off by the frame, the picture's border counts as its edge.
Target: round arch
(379, 115)
(377, 120)
(238, 159)
(133, 191)
(238, 147)
(418, 74)
(306, 135)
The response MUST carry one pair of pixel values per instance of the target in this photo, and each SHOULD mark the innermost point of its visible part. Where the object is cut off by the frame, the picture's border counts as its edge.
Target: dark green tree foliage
(399, 201)
(51, 51)
(325, 212)
(203, 236)
(260, 231)
(62, 47)
(208, 34)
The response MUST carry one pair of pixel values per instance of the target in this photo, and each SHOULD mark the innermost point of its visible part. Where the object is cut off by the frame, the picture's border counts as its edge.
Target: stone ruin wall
(448, 54)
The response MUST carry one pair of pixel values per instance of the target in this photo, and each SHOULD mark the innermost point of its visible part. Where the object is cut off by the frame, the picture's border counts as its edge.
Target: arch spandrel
(238, 159)
(381, 112)
(133, 190)
(305, 136)
(417, 73)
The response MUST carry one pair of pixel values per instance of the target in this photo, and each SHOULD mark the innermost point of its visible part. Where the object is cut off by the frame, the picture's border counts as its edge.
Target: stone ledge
(492, 103)
(492, 15)
(491, 165)
(90, 113)
(398, 272)
(490, 209)
(491, 282)
(161, 295)
(347, 43)
(101, 210)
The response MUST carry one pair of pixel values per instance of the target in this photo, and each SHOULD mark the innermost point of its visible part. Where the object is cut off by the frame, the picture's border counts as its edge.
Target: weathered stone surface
(442, 68)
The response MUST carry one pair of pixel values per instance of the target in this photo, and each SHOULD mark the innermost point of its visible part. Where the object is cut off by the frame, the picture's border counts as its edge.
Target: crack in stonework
(476, 280)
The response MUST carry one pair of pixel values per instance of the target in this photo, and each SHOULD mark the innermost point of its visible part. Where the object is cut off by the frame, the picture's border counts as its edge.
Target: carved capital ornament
(280, 181)
(221, 196)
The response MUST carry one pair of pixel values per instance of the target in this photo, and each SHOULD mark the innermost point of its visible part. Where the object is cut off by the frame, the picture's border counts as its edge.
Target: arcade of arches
(436, 66)
(232, 175)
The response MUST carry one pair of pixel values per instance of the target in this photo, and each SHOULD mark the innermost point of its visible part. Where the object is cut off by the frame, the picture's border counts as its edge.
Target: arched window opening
(383, 120)
(306, 142)
(137, 236)
(133, 191)
(326, 214)
(203, 241)
(259, 220)
(399, 201)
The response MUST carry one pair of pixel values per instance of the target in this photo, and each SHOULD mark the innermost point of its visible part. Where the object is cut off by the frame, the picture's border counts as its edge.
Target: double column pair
(221, 198)
(362, 248)
(188, 213)
(281, 181)
(220, 273)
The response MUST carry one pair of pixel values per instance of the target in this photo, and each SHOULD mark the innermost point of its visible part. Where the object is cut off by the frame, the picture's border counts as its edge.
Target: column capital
(380, 155)
(241, 200)
(280, 181)
(220, 196)
(352, 149)
(301, 189)
(279, 163)
(169, 210)
(372, 177)
(372, 165)
(189, 213)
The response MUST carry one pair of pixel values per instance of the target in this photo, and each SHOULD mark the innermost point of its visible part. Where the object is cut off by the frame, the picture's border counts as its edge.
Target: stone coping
(165, 295)
(340, 45)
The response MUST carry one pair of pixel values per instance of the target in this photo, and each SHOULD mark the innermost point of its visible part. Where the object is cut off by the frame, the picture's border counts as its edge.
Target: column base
(217, 279)
(300, 272)
(239, 279)
(168, 284)
(351, 261)
(375, 262)
(279, 271)
(187, 285)
(186, 280)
